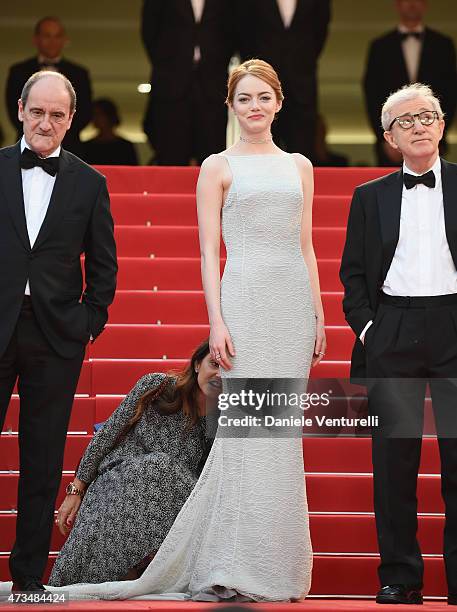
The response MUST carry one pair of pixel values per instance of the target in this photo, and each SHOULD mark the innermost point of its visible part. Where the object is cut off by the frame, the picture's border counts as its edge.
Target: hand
(321, 343)
(219, 342)
(67, 512)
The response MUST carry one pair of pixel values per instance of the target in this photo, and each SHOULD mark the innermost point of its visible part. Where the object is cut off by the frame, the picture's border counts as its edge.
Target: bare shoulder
(303, 163)
(214, 164)
(215, 173)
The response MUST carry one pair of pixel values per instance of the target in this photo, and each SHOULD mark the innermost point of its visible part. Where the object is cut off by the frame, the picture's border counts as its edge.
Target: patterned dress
(136, 490)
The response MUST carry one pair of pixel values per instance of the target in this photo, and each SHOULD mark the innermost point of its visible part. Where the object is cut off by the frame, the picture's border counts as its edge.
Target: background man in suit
(405, 55)
(53, 208)
(400, 278)
(50, 39)
(290, 35)
(189, 43)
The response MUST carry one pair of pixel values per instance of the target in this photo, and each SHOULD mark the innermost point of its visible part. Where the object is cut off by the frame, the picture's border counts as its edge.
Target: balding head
(46, 109)
(46, 74)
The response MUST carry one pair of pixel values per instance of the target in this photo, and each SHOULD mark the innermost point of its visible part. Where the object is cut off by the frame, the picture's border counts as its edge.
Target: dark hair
(37, 76)
(107, 107)
(182, 395)
(39, 23)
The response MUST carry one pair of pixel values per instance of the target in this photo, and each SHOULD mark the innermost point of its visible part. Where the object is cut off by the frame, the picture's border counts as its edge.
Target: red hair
(258, 68)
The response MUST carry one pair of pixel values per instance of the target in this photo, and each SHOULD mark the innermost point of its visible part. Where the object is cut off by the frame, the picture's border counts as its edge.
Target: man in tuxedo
(400, 279)
(189, 43)
(53, 208)
(50, 39)
(410, 53)
(289, 35)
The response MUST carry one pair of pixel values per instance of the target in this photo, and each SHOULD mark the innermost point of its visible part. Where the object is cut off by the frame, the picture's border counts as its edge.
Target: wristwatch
(73, 490)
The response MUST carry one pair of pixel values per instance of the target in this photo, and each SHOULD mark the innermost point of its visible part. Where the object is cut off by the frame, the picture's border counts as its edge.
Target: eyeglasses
(407, 121)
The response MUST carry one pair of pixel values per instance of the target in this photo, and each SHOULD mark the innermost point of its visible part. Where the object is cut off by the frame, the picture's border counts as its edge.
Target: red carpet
(156, 320)
(310, 605)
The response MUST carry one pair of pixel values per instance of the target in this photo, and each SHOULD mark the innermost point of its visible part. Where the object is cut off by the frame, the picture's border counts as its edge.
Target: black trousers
(408, 347)
(193, 126)
(46, 385)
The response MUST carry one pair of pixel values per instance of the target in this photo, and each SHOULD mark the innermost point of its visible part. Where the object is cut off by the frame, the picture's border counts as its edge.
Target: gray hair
(46, 73)
(405, 94)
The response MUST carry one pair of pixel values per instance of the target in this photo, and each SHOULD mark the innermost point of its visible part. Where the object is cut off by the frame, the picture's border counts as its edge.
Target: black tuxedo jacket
(170, 34)
(79, 78)
(371, 239)
(78, 221)
(386, 72)
(293, 51)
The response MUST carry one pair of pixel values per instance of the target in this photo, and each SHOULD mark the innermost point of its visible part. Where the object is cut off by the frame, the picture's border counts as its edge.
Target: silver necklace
(264, 141)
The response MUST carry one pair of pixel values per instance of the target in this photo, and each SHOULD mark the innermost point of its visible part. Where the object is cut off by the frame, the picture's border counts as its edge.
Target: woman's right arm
(106, 437)
(210, 192)
(100, 445)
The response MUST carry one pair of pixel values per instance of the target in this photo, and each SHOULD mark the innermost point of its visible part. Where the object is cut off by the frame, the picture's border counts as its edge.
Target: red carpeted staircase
(157, 319)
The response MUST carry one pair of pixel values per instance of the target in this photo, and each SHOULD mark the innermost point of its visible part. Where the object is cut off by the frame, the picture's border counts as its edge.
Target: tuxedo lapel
(64, 188)
(299, 12)
(449, 183)
(425, 60)
(275, 12)
(188, 9)
(399, 59)
(389, 194)
(11, 181)
(205, 7)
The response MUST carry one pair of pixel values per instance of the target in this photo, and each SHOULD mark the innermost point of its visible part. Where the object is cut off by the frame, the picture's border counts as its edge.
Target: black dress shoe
(28, 585)
(452, 599)
(398, 594)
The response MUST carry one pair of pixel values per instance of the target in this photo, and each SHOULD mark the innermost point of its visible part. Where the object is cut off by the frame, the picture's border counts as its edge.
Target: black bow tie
(47, 65)
(427, 179)
(406, 35)
(29, 159)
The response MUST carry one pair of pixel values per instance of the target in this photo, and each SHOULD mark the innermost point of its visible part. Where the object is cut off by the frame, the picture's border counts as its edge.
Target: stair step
(327, 455)
(170, 208)
(177, 341)
(182, 241)
(157, 179)
(144, 306)
(326, 492)
(184, 273)
(332, 576)
(350, 533)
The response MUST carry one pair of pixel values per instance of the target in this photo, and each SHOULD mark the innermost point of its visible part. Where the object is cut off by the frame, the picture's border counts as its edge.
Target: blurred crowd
(190, 44)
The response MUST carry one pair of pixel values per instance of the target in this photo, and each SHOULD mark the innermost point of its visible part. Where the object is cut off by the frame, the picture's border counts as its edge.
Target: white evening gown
(244, 532)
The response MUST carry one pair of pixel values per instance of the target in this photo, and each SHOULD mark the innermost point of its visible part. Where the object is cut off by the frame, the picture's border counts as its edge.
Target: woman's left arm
(107, 437)
(306, 238)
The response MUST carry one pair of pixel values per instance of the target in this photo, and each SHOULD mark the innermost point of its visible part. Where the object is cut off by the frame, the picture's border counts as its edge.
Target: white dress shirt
(412, 49)
(287, 10)
(37, 186)
(422, 264)
(197, 7)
